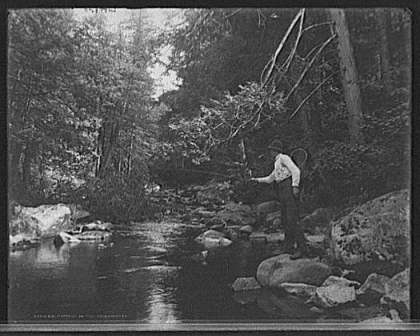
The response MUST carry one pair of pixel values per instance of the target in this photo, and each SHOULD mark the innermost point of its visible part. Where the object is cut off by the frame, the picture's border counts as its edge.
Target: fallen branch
(279, 49)
(308, 67)
(289, 59)
(310, 95)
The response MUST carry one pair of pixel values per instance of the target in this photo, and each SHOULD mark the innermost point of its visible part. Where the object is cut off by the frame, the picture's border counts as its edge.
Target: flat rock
(335, 280)
(335, 291)
(275, 237)
(334, 295)
(258, 236)
(299, 289)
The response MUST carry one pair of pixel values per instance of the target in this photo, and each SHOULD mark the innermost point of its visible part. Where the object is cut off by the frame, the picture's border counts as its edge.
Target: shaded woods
(84, 126)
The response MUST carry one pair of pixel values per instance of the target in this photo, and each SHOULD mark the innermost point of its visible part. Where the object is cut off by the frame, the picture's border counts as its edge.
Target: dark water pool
(145, 274)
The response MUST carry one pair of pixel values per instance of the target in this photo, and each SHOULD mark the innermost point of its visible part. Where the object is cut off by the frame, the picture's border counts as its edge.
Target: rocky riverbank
(356, 269)
(356, 263)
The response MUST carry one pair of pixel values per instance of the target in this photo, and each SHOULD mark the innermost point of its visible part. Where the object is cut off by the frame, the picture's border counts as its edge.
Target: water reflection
(146, 275)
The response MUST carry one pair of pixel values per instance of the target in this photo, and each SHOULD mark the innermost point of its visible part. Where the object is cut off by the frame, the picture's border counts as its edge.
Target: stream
(145, 274)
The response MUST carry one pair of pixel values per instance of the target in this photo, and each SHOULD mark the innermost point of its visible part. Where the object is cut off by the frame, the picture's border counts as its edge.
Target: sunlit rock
(276, 270)
(335, 291)
(243, 284)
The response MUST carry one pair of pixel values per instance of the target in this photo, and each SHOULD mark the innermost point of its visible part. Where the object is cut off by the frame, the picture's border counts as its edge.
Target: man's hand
(296, 192)
(253, 180)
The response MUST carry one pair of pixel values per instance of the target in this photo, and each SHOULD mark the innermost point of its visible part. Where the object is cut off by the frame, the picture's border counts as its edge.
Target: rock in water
(398, 289)
(66, 238)
(96, 226)
(335, 291)
(210, 243)
(242, 284)
(247, 229)
(335, 280)
(377, 228)
(210, 234)
(44, 220)
(276, 270)
(373, 288)
(212, 239)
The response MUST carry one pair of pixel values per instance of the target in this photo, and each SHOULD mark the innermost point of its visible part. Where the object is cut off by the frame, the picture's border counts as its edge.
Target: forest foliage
(83, 125)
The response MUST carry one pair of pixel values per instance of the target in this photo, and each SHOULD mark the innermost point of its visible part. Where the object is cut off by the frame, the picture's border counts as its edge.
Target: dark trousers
(289, 207)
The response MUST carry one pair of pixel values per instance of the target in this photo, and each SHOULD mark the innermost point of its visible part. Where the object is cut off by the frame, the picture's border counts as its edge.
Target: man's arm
(294, 170)
(266, 179)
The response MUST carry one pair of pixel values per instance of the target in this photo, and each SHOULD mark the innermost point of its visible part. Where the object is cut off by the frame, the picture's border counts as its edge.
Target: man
(286, 175)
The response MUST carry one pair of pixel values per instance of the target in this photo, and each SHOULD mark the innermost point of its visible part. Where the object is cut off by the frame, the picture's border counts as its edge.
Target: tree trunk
(26, 167)
(246, 172)
(130, 152)
(349, 75)
(109, 142)
(385, 60)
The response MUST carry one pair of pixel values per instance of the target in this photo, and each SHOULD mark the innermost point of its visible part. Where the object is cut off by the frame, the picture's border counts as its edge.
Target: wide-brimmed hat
(276, 145)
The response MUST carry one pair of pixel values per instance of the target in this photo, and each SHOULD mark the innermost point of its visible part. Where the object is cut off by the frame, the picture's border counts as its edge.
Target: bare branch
(292, 53)
(308, 67)
(232, 14)
(310, 95)
(317, 25)
(279, 49)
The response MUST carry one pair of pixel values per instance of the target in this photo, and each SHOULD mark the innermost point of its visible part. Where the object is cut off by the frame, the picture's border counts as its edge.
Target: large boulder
(276, 270)
(376, 229)
(41, 221)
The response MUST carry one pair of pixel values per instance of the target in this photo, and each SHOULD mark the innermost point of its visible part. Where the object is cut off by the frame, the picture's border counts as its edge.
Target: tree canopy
(83, 123)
